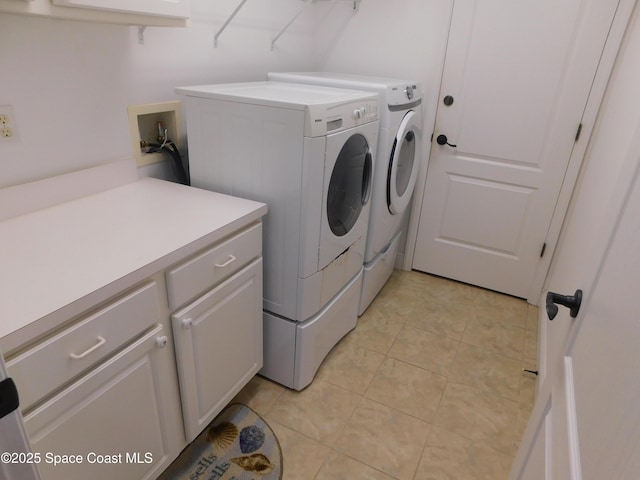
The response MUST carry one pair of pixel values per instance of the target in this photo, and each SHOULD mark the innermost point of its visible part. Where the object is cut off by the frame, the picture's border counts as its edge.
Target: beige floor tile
(531, 346)
(350, 366)
(388, 440)
(400, 298)
(259, 394)
(450, 456)
(488, 333)
(338, 466)
(532, 318)
(407, 388)
(479, 416)
(495, 373)
(521, 425)
(432, 315)
(527, 388)
(502, 308)
(447, 291)
(302, 457)
(320, 411)
(402, 280)
(424, 349)
(376, 330)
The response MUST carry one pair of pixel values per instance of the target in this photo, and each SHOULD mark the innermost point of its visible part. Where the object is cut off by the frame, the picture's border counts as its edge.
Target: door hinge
(578, 132)
(544, 247)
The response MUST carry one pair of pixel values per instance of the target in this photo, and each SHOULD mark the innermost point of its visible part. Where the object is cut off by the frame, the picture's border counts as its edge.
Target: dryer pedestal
(377, 272)
(293, 351)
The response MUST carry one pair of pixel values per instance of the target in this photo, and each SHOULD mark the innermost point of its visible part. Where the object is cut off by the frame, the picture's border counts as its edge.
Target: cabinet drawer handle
(78, 356)
(229, 261)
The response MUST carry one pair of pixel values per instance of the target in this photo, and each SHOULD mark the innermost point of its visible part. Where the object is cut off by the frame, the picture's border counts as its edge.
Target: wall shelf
(356, 6)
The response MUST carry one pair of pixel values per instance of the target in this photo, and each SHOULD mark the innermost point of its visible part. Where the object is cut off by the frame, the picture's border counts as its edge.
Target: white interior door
(586, 424)
(520, 75)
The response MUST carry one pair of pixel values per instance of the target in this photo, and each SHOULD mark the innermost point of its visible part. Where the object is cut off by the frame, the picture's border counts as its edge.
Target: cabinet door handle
(78, 356)
(162, 341)
(187, 322)
(230, 260)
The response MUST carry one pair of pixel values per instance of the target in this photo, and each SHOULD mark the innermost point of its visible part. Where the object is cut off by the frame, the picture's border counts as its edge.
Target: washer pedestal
(293, 351)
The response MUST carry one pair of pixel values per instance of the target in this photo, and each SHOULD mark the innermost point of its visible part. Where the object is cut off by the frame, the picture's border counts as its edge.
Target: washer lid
(394, 91)
(278, 94)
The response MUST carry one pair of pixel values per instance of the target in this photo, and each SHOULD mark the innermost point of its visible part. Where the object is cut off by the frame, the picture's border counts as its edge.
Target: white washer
(398, 159)
(307, 152)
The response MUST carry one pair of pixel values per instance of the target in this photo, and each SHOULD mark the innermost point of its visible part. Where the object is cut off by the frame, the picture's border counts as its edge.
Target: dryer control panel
(404, 94)
(341, 116)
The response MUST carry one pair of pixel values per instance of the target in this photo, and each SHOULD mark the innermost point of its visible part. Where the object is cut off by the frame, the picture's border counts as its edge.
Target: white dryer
(398, 159)
(307, 152)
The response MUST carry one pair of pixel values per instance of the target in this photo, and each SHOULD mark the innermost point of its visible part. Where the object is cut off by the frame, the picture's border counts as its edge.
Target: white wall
(403, 39)
(69, 83)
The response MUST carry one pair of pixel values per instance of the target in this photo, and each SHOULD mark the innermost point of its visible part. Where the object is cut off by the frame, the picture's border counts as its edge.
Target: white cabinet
(218, 337)
(170, 13)
(83, 388)
(165, 8)
(89, 341)
(119, 418)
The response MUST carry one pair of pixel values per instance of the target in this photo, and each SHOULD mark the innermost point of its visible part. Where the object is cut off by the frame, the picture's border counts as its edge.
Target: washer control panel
(342, 116)
(365, 113)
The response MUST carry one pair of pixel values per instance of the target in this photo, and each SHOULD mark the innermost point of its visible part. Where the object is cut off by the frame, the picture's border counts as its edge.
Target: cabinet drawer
(214, 265)
(58, 359)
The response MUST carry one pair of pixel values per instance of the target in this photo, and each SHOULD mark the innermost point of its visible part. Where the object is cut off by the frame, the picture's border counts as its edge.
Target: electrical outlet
(8, 128)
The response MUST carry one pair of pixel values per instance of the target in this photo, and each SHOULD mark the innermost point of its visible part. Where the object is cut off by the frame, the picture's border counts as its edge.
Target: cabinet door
(164, 8)
(218, 341)
(121, 420)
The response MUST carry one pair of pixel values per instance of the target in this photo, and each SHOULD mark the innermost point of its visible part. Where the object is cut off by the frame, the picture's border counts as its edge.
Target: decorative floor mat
(237, 445)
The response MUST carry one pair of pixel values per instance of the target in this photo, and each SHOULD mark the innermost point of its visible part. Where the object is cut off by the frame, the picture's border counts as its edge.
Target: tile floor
(428, 386)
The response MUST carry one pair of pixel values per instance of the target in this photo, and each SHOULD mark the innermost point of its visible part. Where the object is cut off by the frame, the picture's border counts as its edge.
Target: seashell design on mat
(223, 435)
(256, 463)
(251, 439)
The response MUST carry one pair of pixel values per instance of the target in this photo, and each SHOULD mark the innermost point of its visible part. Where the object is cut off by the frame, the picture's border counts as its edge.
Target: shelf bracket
(284, 29)
(225, 24)
(141, 35)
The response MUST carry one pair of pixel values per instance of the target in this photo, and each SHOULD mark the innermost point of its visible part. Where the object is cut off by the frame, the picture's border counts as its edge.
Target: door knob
(443, 140)
(570, 301)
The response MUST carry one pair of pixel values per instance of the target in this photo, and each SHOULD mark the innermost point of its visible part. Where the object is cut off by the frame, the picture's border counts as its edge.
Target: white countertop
(58, 261)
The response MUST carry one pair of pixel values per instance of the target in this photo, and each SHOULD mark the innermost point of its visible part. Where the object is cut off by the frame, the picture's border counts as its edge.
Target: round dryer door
(403, 164)
(350, 185)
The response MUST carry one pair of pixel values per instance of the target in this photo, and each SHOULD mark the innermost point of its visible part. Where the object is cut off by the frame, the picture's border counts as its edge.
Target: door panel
(594, 417)
(520, 75)
(493, 228)
(600, 428)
